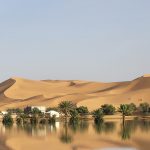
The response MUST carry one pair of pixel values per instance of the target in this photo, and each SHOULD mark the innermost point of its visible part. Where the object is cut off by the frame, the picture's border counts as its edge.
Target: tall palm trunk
(66, 116)
(123, 119)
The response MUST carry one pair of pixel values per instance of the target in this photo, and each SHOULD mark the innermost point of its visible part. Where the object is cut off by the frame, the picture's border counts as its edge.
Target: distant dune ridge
(19, 92)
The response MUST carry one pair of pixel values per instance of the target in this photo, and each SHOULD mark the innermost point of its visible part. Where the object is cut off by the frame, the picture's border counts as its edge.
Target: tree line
(70, 112)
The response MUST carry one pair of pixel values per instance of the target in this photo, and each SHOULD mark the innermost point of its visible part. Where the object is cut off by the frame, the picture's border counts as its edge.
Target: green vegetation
(15, 110)
(35, 111)
(24, 118)
(126, 110)
(108, 109)
(27, 110)
(133, 107)
(74, 116)
(83, 111)
(65, 107)
(70, 111)
(52, 108)
(98, 115)
(19, 120)
(7, 120)
(144, 108)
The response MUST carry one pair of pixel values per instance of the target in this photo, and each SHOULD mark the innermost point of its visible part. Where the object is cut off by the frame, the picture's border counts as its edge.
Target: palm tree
(98, 115)
(65, 107)
(125, 109)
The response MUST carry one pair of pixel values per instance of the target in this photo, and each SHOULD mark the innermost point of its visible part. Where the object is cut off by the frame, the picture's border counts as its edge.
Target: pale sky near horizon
(99, 40)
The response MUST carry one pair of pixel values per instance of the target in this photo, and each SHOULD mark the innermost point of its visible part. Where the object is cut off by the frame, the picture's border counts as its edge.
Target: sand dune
(19, 92)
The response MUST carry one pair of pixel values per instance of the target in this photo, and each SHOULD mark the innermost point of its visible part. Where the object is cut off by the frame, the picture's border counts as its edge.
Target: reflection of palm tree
(65, 136)
(127, 129)
(125, 133)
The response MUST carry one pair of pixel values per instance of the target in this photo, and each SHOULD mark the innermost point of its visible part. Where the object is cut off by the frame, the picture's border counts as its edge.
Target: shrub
(15, 110)
(35, 111)
(82, 110)
(144, 108)
(108, 109)
(7, 119)
(74, 116)
(127, 109)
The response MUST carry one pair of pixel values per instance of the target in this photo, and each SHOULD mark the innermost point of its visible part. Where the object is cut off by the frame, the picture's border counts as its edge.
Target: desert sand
(18, 92)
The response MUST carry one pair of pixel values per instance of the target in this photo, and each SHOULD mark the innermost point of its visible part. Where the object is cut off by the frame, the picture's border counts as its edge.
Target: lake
(110, 135)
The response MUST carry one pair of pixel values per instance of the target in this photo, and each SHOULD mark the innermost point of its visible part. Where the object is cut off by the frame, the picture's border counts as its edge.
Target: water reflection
(66, 136)
(80, 126)
(104, 127)
(38, 130)
(126, 130)
(130, 127)
(66, 131)
(145, 126)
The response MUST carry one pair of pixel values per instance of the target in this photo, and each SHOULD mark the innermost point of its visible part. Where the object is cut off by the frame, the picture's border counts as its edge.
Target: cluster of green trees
(144, 108)
(67, 108)
(26, 116)
(70, 111)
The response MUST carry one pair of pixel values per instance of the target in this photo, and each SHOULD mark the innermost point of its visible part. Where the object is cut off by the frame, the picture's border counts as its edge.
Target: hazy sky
(100, 40)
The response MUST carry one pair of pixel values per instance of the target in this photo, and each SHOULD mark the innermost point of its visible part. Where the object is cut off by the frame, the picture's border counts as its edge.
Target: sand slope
(19, 92)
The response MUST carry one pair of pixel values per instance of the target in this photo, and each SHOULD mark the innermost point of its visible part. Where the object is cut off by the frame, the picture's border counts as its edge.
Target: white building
(41, 108)
(4, 112)
(52, 113)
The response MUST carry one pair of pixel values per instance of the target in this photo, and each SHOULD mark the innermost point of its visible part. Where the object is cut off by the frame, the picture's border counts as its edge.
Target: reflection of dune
(18, 92)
